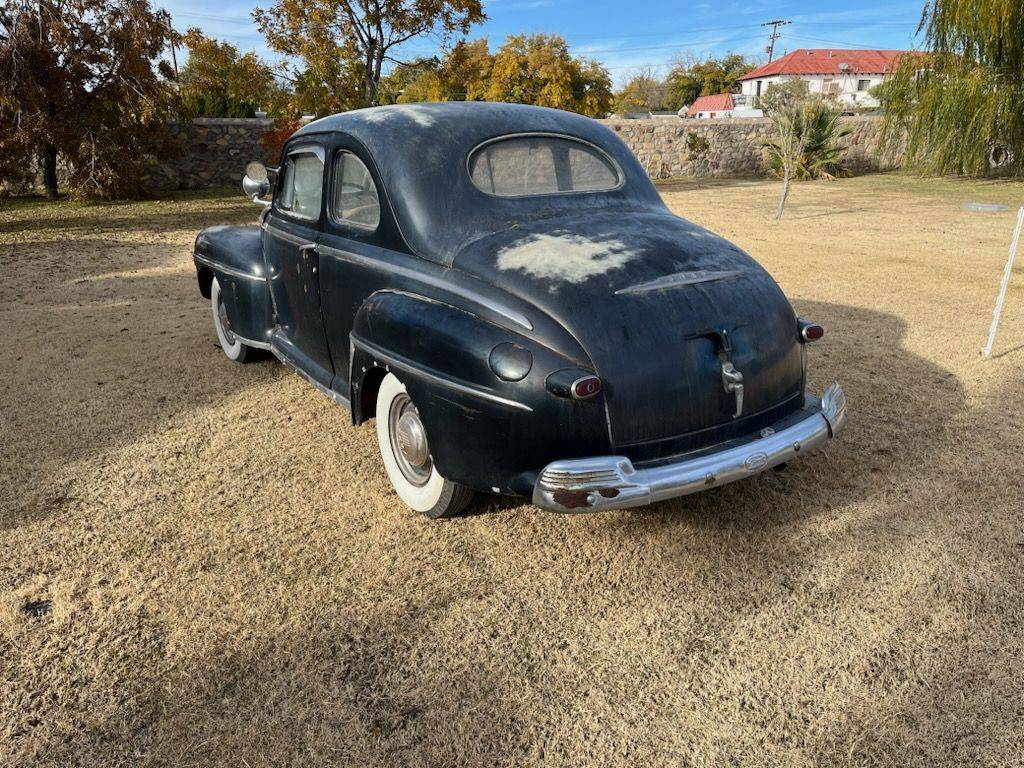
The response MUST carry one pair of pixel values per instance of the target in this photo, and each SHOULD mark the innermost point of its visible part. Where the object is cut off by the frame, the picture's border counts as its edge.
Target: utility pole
(774, 24)
(172, 38)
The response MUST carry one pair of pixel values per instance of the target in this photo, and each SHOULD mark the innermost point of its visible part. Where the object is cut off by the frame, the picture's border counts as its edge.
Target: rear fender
(484, 432)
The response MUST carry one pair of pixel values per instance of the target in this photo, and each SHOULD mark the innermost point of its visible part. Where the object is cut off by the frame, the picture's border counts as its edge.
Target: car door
(361, 247)
(291, 234)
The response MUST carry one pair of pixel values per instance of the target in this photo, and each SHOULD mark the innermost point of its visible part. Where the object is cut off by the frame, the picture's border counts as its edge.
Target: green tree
(538, 69)
(81, 79)
(689, 78)
(417, 77)
(218, 81)
(343, 44)
(792, 90)
(462, 75)
(643, 92)
(959, 105)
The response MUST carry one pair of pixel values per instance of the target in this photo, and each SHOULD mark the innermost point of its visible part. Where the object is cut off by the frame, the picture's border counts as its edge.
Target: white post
(1002, 289)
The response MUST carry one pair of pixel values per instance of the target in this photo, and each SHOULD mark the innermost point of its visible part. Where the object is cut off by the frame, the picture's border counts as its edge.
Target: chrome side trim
(435, 282)
(396, 361)
(226, 270)
(253, 343)
(680, 278)
(612, 482)
(290, 364)
(286, 236)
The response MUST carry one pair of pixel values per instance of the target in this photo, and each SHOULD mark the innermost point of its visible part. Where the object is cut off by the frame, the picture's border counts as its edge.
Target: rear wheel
(407, 458)
(233, 347)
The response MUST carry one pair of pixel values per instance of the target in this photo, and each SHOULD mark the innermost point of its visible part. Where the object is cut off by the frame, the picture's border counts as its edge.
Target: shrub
(819, 133)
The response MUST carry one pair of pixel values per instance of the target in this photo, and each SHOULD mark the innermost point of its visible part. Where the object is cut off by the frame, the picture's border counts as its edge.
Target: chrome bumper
(612, 482)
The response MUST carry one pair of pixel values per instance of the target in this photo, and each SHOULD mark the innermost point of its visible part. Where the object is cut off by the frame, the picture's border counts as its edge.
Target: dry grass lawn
(202, 564)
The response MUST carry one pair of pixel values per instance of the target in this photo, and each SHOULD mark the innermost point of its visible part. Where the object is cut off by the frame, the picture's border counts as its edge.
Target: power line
(691, 30)
(833, 42)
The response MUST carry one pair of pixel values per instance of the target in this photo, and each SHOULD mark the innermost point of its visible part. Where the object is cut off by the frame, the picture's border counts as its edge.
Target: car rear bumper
(612, 482)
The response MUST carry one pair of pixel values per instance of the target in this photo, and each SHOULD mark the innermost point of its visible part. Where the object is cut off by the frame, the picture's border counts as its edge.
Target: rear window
(520, 166)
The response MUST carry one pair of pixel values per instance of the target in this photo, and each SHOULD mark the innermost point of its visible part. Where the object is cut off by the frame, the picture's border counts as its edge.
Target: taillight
(577, 383)
(586, 387)
(810, 331)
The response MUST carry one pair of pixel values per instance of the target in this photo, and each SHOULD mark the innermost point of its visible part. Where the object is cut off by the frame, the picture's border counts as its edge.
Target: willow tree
(959, 104)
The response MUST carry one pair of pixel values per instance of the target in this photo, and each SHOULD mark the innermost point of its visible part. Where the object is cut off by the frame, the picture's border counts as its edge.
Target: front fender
(234, 255)
(484, 432)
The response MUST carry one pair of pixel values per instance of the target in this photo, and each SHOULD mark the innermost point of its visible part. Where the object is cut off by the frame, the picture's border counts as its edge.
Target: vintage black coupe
(503, 289)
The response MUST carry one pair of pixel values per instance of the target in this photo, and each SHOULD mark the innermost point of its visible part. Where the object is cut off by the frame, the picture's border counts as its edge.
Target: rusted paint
(572, 499)
(581, 499)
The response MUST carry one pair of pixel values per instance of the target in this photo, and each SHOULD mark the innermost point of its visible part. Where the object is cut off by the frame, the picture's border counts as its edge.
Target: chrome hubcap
(409, 441)
(222, 318)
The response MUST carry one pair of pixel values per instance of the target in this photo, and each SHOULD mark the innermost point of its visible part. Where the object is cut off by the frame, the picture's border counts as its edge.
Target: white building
(846, 75)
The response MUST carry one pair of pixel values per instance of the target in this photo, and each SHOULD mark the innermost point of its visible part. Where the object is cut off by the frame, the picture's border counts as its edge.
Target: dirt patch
(229, 579)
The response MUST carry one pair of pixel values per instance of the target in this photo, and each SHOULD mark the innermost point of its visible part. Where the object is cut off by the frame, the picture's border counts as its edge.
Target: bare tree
(788, 147)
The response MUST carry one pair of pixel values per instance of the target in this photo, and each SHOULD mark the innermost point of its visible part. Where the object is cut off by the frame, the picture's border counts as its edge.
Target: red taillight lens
(813, 332)
(586, 387)
(810, 331)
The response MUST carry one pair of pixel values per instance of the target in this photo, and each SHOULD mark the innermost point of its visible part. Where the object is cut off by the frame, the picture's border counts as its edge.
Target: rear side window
(355, 201)
(520, 166)
(303, 185)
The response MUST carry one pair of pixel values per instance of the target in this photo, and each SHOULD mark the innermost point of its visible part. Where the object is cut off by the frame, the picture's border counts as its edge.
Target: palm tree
(807, 144)
(817, 124)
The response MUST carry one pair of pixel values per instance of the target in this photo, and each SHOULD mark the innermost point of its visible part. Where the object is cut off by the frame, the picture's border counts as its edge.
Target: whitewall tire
(406, 455)
(231, 344)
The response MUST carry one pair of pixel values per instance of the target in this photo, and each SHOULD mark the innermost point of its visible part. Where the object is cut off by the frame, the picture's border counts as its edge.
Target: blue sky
(628, 35)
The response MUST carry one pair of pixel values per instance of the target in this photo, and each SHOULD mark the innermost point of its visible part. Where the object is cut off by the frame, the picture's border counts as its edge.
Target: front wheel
(407, 459)
(233, 346)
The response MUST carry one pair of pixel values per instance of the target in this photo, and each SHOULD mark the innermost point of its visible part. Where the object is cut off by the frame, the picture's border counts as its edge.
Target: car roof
(421, 152)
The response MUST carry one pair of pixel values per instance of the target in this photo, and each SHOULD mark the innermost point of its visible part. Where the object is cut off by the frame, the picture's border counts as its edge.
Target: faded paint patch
(571, 258)
(414, 112)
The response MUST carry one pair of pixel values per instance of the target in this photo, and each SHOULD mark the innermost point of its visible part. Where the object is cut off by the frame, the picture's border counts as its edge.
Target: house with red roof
(719, 105)
(846, 75)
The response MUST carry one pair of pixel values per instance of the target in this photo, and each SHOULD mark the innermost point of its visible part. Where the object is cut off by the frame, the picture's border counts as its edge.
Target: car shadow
(901, 405)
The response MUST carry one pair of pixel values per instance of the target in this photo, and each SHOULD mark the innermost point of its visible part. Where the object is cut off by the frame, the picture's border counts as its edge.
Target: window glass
(355, 195)
(287, 186)
(541, 165)
(302, 188)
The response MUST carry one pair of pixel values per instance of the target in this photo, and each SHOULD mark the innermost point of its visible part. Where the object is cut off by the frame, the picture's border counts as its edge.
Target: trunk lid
(648, 296)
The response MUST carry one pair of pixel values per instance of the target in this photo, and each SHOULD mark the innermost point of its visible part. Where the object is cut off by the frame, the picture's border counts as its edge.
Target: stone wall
(215, 151)
(734, 146)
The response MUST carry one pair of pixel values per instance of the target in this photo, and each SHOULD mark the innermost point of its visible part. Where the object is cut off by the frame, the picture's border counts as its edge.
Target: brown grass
(231, 582)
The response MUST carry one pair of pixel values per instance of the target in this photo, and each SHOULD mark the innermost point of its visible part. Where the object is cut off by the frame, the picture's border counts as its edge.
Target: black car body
(559, 333)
